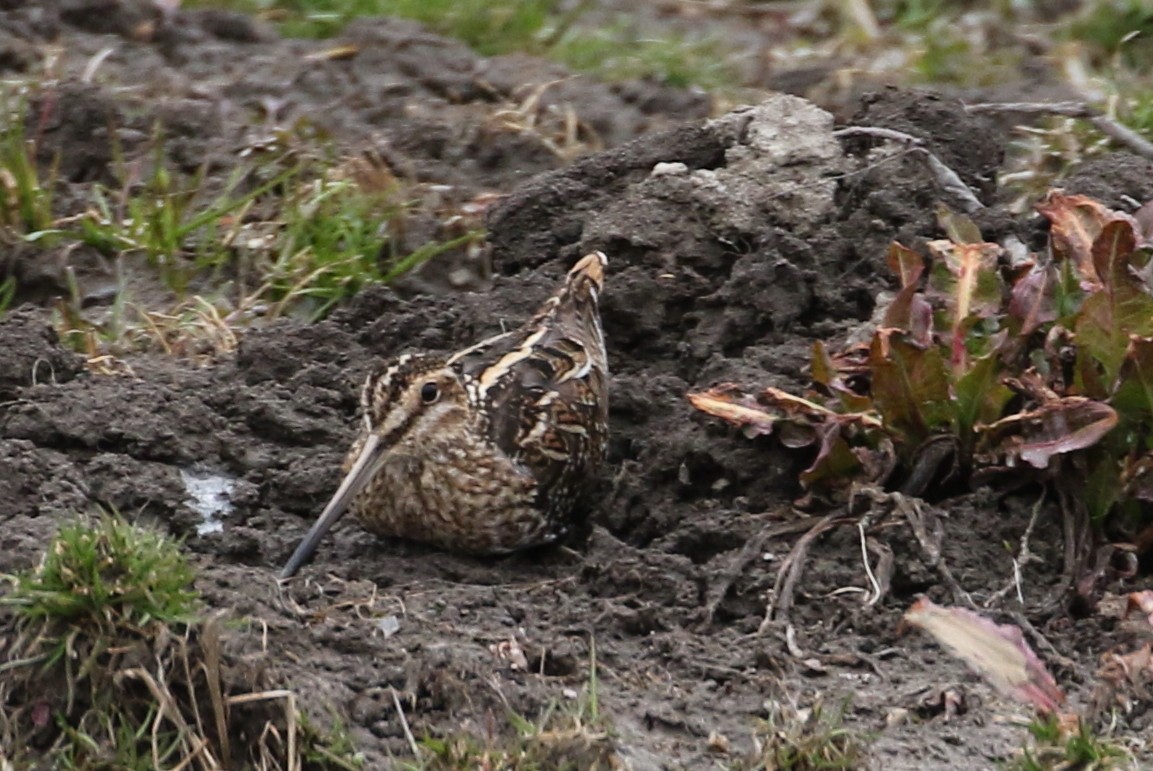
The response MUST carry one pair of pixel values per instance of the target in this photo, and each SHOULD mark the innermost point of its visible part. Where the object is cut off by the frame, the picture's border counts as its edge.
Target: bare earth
(734, 243)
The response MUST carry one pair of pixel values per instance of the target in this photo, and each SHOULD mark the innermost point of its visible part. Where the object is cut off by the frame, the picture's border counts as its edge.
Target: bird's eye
(429, 393)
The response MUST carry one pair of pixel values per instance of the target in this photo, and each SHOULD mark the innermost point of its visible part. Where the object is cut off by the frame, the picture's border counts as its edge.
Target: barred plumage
(491, 449)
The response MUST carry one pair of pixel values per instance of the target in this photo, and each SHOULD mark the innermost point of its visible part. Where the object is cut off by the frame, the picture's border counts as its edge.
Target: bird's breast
(463, 496)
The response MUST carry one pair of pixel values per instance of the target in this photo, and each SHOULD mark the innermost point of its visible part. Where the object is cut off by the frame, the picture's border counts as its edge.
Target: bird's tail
(590, 268)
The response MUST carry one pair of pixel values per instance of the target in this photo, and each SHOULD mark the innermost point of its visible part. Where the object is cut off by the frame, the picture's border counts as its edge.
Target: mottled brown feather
(503, 454)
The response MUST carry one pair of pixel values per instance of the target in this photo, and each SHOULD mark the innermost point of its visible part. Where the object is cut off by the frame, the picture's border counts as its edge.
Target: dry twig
(752, 550)
(1106, 125)
(781, 601)
(948, 180)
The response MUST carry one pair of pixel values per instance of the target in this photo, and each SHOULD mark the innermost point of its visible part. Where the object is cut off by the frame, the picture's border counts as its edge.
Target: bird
(490, 450)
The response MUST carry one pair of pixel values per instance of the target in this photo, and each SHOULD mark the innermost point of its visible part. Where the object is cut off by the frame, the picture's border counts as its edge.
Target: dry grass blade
(210, 640)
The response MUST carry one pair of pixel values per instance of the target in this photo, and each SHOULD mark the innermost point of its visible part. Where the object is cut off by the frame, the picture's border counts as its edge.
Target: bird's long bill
(355, 481)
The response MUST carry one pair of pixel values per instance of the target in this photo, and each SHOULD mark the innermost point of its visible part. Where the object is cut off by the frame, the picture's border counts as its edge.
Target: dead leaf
(1060, 426)
(1141, 602)
(1032, 299)
(727, 403)
(997, 652)
(1075, 223)
(1124, 683)
(797, 406)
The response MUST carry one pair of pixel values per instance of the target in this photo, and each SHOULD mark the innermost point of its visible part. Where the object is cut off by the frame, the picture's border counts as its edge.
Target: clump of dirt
(733, 244)
(32, 354)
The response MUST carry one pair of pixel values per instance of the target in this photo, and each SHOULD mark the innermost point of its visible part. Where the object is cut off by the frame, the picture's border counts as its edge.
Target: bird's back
(544, 387)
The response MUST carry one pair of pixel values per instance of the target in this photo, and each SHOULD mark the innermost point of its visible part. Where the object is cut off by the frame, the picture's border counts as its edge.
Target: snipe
(491, 449)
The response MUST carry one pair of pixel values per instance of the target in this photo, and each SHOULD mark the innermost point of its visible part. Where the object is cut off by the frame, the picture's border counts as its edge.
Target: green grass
(336, 240)
(1118, 33)
(1053, 749)
(110, 663)
(101, 571)
(285, 233)
(675, 60)
(167, 218)
(106, 597)
(25, 198)
(548, 28)
(808, 740)
(489, 26)
(329, 749)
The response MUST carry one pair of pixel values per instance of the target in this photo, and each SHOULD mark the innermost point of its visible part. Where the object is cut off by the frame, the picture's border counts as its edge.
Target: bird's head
(408, 405)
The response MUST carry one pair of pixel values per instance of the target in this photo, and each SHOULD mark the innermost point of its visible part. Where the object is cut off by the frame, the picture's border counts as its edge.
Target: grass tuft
(292, 231)
(807, 740)
(108, 664)
(25, 198)
(331, 749)
(104, 572)
(1053, 747)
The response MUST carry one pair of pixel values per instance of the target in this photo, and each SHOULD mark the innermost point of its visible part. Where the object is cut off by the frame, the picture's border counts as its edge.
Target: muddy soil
(733, 242)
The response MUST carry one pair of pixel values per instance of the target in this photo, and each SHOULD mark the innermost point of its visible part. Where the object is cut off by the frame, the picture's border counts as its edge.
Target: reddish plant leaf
(726, 403)
(1134, 394)
(997, 652)
(967, 278)
(830, 373)
(852, 361)
(959, 228)
(1075, 223)
(910, 385)
(835, 461)
(908, 310)
(1112, 251)
(1032, 301)
(1144, 219)
(1140, 602)
(824, 371)
(797, 422)
(1104, 324)
(1057, 427)
(920, 320)
(906, 264)
(980, 396)
(1117, 308)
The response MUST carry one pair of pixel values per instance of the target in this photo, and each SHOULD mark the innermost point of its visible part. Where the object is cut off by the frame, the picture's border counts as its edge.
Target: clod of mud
(32, 354)
(1117, 180)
